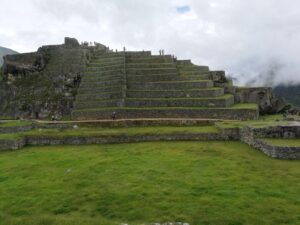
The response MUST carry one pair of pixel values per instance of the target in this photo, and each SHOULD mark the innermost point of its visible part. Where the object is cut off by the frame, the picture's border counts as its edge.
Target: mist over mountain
(5, 51)
(290, 93)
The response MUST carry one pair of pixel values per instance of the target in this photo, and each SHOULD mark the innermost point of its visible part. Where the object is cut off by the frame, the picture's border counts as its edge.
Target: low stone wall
(280, 152)
(284, 131)
(209, 113)
(16, 144)
(127, 123)
(230, 133)
(15, 129)
(12, 144)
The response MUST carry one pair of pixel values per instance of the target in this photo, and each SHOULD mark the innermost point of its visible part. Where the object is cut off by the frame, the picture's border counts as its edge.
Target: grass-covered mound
(196, 182)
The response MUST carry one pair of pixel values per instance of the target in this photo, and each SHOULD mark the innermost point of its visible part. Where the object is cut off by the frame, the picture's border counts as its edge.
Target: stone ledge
(15, 129)
(19, 143)
(169, 112)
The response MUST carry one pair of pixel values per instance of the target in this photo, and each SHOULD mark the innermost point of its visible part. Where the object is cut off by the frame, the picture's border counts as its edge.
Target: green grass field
(14, 123)
(217, 183)
(90, 131)
(291, 142)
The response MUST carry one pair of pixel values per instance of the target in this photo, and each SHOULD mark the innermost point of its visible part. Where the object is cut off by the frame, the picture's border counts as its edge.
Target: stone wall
(15, 129)
(280, 152)
(16, 144)
(263, 96)
(278, 132)
(12, 144)
(209, 113)
(43, 83)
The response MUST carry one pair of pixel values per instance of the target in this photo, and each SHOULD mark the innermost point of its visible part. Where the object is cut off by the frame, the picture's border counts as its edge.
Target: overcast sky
(249, 39)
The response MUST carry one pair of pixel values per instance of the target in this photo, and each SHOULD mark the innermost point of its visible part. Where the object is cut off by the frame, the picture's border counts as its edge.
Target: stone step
(98, 103)
(222, 101)
(173, 85)
(191, 66)
(169, 112)
(64, 59)
(193, 73)
(100, 95)
(133, 54)
(191, 70)
(94, 63)
(107, 60)
(93, 84)
(105, 68)
(203, 76)
(89, 90)
(103, 73)
(193, 93)
(109, 55)
(150, 71)
(150, 59)
(152, 78)
(149, 65)
(95, 77)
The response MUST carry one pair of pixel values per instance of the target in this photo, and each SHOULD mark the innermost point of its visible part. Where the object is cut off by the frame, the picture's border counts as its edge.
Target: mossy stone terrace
(142, 85)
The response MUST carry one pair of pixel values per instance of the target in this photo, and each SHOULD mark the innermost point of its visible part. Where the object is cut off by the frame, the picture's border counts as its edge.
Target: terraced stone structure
(93, 82)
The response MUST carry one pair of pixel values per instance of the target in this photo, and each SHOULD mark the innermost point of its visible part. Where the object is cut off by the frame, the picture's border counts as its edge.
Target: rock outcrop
(43, 83)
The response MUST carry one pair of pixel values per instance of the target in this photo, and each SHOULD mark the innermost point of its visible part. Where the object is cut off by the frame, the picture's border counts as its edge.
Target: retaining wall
(280, 152)
(16, 144)
(15, 129)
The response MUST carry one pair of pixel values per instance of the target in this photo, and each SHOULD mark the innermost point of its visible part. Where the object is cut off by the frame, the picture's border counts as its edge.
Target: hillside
(289, 93)
(5, 51)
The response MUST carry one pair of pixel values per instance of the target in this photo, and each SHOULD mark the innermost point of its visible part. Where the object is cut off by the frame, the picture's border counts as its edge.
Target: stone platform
(142, 85)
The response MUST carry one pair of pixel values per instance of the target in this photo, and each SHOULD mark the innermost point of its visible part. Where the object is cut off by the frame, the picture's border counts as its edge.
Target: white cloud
(243, 37)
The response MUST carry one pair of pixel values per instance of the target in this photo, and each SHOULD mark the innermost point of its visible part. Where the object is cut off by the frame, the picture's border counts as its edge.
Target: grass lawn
(14, 123)
(217, 183)
(291, 142)
(108, 132)
(263, 121)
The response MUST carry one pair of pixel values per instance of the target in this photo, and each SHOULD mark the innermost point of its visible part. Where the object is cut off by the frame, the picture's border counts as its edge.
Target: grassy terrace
(14, 123)
(183, 81)
(263, 121)
(282, 142)
(235, 106)
(108, 132)
(226, 96)
(176, 90)
(212, 183)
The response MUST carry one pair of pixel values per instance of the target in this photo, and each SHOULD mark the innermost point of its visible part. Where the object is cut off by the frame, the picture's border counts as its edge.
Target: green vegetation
(290, 93)
(174, 90)
(282, 142)
(213, 183)
(226, 96)
(263, 121)
(11, 136)
(244, 106)
(14, 123)
(235, 106)
(183, 81)
(109, 132)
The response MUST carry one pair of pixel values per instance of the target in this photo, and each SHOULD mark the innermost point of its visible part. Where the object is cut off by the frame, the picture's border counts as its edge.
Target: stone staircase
(103, 82)
(141, 85)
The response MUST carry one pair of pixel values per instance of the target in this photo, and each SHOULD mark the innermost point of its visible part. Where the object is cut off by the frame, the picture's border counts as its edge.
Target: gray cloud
(249, 39)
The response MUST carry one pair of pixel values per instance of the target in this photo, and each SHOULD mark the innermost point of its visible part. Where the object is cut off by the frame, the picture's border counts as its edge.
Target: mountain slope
(5, 51)
(290, 93)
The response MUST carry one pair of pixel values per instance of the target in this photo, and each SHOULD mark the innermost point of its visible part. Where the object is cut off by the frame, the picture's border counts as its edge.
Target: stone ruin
(84, 81)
